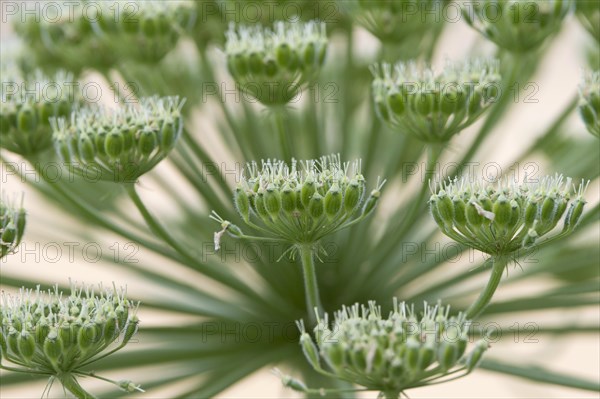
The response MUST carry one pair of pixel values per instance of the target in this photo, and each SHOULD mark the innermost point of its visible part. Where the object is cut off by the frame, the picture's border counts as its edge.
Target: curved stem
(70, 384)
(475, 310)
(311, 286)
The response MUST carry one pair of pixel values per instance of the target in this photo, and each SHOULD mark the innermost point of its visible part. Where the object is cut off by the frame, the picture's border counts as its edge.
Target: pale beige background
(579, 355)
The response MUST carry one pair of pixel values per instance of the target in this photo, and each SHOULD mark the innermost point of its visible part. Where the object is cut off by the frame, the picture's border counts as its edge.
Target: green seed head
(389, 353)
(517, 26)
(304, 201)
(431, 106)
(54, 332)
(503, 218)
(120, 145)
(273, 64)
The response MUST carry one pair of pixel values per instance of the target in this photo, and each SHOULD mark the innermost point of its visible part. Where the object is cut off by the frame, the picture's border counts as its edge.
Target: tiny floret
(504, 218)
(431, 106)
(12, 225)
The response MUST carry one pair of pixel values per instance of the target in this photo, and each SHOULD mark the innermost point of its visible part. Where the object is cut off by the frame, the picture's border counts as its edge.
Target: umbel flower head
(518, 26)
(12, 225)
(392, 354)
(397, 20)
(144, 31)
(76, 35)
(59, 335)
(434, 107)
(273, 65)
(501, 219)
(119, 145)
(302, 202)
(28, 102)
(589, 103)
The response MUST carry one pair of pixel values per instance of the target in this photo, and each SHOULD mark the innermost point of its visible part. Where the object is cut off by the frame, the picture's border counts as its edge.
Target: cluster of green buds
(518, 26)
(49, 333)
(433, 107)
(392, 354)
(122, 144)
(588, 12)
(143, 31)
(397, 20)
(273, 65)
(503, 218)
(28, 103)
(589, 102)
(303, 202)
(12, 225)
(64, 38)
(100, 34)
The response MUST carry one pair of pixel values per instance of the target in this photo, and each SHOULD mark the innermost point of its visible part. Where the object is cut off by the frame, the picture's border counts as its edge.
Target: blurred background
(556, 83)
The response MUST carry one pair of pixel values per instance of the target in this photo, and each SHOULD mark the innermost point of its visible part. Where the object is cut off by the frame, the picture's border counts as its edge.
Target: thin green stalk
(279, 114)
(390, 395)
(311, 286)
(477, 308)
(70, 384)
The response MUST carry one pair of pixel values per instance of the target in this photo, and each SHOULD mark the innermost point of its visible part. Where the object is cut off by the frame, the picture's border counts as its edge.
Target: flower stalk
(311, 286)
(499, 264)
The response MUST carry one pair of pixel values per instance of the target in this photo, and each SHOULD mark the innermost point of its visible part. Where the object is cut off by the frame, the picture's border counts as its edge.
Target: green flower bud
(288, 199)
(114, 144)
(502, 211)
(26, 344)
(310, 350)
(333, 201)
(148, 142)
(308, 189)
(315, 206)
(476, 355)
(86, 337)
(574, 214)
(242, 203)
(12, 226)
(87, 152)
(255, 63)
(53, 348)
(272, 200)
(27, 120)
(352, 196)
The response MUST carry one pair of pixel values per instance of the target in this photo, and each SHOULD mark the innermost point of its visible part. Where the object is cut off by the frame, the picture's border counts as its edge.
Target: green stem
(70, 384)
(279, 118)
(475, 310)
(310, 283)
(390, 394)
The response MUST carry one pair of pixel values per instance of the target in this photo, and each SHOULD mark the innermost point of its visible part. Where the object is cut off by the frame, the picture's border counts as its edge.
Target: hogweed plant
(300, 204)
(188, 92)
